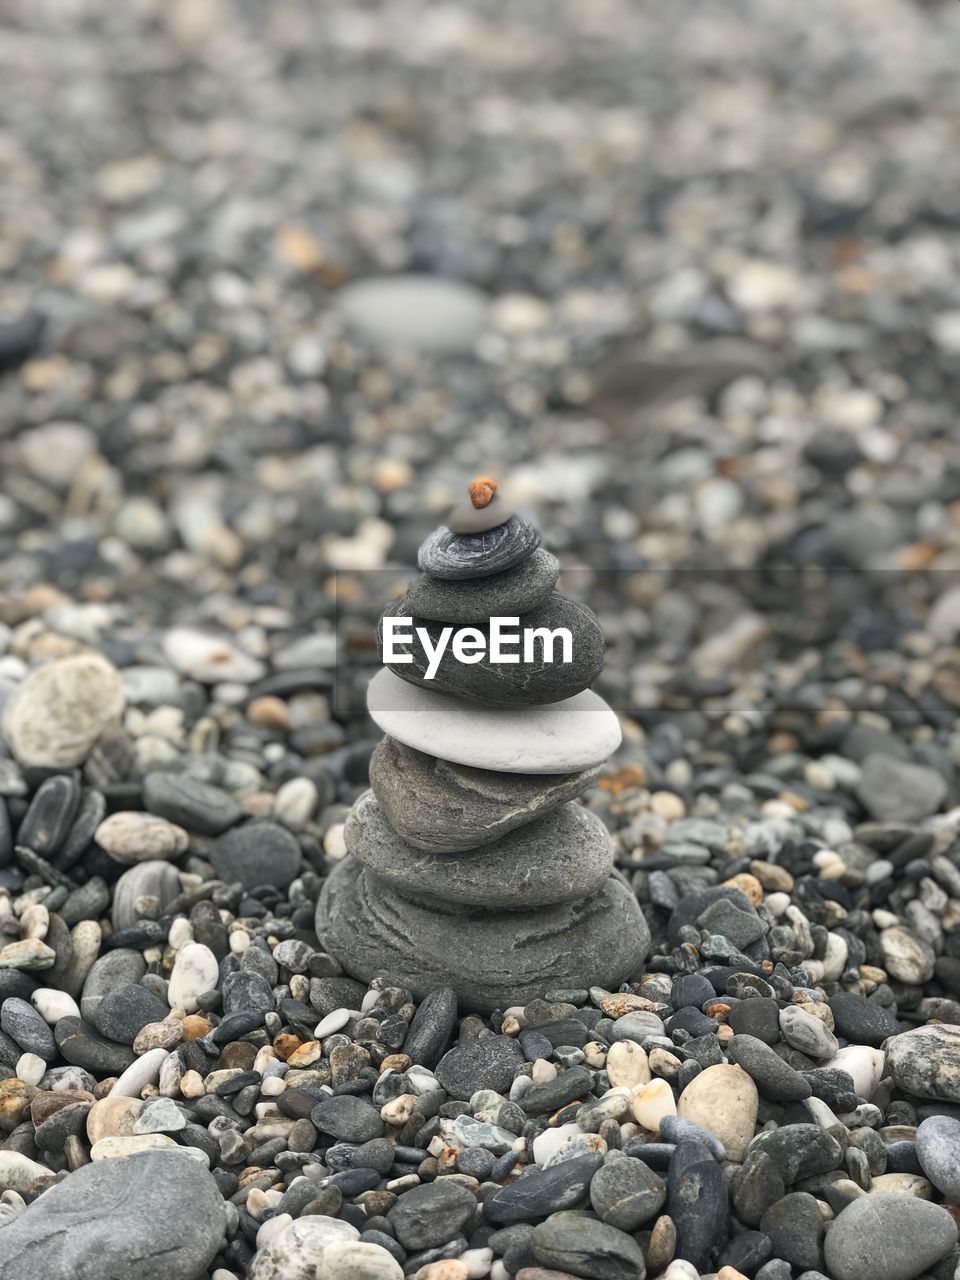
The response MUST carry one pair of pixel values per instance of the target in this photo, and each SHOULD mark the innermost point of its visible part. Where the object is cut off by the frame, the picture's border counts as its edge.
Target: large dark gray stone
(431, 1214)
(154, 1216)
(573, 1242)
(503, 595)
(560, 857)
(192, 804)
(257, 853)
(488, 1063)
(508, 684)
(445, 807)
(893, 1236)
(542, 1191)
(491, 959)
(477, 555)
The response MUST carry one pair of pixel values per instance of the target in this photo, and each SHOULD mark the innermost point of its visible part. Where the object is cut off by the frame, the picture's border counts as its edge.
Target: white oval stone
(52, 1005)
(131, 837)
(415, 312)
(146, 1070)
(210, 659)
(654, 1103)
(863, 1064)
(332, 1023)
(549, 1142)
(195, 971)
(560, 737)
(56, 715)
(31, 1068)
(627, 1064)
(723, 1100)
(357, 1260)
(294, 1253)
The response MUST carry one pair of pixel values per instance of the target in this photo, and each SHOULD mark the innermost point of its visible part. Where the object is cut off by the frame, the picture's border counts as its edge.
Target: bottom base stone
(491, 959)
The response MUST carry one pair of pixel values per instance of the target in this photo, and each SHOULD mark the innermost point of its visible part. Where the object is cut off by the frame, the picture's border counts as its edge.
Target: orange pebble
(195, 1027)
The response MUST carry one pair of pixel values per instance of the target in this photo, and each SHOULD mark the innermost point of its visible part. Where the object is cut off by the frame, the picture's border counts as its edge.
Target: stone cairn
(471, 865)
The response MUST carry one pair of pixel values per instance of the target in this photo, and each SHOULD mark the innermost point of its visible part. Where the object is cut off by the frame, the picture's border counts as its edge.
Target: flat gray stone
(477, 555)
(547, 678)
(502, 595)
(153, 1216)
(257, 853)
(491, 959)
(560, 857)
(415, 312)
(447, 808)
(192, 804)
(893, 1236)
(573, 1242)
(938, 1150)
(894, 790)
(561, 737)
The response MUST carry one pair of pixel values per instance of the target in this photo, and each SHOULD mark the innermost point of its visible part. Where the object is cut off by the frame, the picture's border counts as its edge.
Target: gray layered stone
(154, 1216)
(893, 1236)
(491, 959)
(445, 554)
(444, 807)
(143, 892)
(547, 678)
(502, 595)
(560, 857)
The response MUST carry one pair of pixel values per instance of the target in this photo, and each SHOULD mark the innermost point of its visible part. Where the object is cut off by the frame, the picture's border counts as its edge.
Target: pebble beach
(277, 282)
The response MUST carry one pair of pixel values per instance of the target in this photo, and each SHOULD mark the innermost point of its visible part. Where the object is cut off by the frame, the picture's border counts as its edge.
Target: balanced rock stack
(470, 863)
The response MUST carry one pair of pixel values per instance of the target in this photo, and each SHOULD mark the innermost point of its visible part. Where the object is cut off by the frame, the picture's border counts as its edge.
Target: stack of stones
(471, 865)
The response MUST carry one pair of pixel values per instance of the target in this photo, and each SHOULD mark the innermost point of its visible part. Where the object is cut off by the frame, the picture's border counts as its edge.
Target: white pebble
(477, 1262)
(146, 1070)
(332, 1023)
(31, 1068)
(863, 1064)
(181, 932)
(195, 971)
(654, 1103)
(52, 1005)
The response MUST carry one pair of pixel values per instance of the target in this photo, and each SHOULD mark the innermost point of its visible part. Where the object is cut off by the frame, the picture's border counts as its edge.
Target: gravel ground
(698, 300)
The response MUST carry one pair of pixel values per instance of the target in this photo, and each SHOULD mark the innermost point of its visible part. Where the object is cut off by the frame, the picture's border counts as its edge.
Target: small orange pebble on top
(630, 776)
(481, 491)
(748, 885)
(395, 1062)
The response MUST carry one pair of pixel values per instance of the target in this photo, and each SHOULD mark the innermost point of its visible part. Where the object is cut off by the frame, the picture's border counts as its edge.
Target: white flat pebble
(332, 1023)
(559, 737)
(146, 1070)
